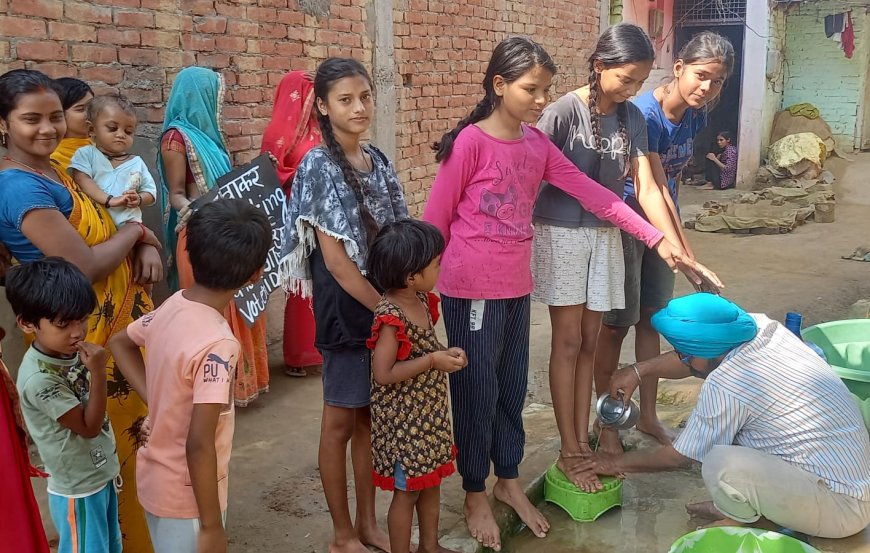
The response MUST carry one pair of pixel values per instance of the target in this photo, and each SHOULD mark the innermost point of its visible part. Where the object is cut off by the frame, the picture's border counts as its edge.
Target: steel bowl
(614, 413)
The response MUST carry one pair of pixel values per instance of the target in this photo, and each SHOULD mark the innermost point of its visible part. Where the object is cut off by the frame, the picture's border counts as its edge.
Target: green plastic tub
(581, 506)
(847, 346)
(729, 539)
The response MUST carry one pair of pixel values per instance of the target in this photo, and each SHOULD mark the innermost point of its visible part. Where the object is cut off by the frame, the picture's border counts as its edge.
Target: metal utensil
(614, 413)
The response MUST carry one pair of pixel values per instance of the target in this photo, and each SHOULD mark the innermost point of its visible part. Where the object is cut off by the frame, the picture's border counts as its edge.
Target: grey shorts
(649, 283)
(174, 535)
(347, 377)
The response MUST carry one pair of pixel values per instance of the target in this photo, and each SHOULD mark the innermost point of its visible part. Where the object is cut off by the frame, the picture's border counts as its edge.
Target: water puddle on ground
(652, 517)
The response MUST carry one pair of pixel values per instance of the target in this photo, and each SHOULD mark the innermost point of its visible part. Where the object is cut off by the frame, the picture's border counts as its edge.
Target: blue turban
(704, 325)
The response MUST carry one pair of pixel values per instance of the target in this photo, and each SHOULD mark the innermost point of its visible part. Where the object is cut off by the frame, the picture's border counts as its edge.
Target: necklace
(114, 157)
(33, 169)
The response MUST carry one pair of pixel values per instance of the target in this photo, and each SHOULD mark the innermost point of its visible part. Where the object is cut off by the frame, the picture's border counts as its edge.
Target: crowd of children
(492, 239)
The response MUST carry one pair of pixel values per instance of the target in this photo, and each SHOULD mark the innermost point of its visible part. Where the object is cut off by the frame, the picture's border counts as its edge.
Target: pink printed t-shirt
(482, 201)
(190, 357)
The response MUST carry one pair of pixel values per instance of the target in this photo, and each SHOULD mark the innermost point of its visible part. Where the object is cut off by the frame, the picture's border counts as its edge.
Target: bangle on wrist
(108, 199)
(431, 357)
(142, 231)
(636, 372)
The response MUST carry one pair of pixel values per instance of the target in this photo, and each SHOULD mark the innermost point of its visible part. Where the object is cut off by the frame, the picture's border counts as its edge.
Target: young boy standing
(62, 384)
(186, 378)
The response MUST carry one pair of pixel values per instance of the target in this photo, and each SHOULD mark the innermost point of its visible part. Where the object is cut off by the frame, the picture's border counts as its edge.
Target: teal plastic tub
(728, 539)
(847, 346)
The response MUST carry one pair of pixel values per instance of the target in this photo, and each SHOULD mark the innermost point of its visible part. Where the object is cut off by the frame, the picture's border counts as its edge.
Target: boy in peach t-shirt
(186, 377)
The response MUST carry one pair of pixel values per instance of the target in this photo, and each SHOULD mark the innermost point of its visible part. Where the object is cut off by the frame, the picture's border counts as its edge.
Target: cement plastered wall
(817, 70)
(775, 74)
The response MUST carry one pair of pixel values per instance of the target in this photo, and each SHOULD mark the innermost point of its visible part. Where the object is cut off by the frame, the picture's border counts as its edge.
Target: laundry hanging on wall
(839, 28)
(848, 41)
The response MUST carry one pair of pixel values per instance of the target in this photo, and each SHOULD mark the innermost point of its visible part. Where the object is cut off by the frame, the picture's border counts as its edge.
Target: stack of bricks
(441, 49)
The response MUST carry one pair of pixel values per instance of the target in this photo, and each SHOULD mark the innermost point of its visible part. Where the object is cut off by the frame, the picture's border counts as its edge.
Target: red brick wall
(137, 47)
(442, 49)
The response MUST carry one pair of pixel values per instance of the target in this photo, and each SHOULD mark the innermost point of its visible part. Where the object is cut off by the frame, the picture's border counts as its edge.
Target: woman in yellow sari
(75, 95)
(43, 213)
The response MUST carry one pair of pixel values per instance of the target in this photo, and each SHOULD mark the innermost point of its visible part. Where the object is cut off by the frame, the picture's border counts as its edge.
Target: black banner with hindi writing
(257, 183)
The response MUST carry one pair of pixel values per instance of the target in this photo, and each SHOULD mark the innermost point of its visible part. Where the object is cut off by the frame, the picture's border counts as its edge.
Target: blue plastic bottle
(793, 322)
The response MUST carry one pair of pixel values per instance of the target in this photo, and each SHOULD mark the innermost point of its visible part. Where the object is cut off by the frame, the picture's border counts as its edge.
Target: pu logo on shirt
(215, 369)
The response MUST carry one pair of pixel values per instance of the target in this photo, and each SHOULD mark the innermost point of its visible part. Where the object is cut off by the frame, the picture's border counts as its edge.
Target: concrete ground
(276, 500)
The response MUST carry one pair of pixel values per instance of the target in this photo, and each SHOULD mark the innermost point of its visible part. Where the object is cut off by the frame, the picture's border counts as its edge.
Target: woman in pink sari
(21, 525)
(291, 133)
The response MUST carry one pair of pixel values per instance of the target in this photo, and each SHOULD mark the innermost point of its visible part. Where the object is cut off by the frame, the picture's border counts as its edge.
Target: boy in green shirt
(62, 383)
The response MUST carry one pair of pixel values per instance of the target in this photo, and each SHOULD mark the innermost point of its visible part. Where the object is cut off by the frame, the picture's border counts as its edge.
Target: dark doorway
(725, 115)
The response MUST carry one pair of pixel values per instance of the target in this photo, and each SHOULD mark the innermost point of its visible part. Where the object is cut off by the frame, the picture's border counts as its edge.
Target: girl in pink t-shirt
(491, 170)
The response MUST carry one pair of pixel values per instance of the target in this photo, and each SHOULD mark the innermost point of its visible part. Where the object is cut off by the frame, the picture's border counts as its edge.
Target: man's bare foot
(375, 537)
(657, 430)
(480, 521)
(509, 491)
(349, 546)
(586, 480)
(722, 522)
(608, 439)
(704, 509)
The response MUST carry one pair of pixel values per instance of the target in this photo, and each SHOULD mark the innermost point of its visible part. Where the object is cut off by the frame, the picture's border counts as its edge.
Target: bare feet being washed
(376, 538)
(509, 491)
(608, 439)
(586, 480)
(481, 523)
(657, 430)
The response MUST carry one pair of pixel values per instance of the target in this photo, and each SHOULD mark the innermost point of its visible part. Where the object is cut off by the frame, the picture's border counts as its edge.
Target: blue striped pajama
(488, 395)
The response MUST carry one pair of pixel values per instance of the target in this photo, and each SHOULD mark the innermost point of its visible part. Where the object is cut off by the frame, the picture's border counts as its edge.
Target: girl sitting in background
(721, 172)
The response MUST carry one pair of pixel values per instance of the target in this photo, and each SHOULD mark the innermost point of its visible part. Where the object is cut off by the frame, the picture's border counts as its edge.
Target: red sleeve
(434, 301)
(392, 320)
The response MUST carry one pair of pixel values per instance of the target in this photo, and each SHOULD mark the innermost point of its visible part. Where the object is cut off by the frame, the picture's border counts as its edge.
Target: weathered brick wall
(817, 70)
(441, 50)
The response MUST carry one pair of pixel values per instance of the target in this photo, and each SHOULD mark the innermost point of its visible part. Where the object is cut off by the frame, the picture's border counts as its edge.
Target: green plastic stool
(581, 506)
(730, 539)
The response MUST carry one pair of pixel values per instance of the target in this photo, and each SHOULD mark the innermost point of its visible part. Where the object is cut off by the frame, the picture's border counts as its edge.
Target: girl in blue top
(674, 115)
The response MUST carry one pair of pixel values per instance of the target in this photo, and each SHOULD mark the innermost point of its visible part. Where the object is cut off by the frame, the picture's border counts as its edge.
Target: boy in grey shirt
(62, 383)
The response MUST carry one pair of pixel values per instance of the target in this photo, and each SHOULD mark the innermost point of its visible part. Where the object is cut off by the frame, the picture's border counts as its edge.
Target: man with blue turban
(775, 430)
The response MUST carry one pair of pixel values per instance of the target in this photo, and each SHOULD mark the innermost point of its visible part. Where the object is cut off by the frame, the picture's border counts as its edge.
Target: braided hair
(330, 71)
(618, 45)
(511, 59)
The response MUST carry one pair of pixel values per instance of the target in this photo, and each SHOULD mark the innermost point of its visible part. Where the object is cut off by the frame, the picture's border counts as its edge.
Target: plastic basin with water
(847, 346)
(739, 540)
